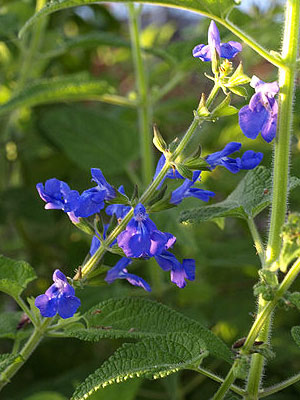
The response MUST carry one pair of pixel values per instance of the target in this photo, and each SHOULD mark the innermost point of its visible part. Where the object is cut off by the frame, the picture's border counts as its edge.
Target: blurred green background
(64, 139)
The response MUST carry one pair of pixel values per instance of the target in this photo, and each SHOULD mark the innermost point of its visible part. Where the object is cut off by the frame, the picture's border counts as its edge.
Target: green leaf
(64, 88)
(151, 359)
(125, 391)
(7, 359)
(46, 396)
(240, 91)
(140, 319)
(296, 334)
(211, 8)
(91, 139)
(14, 276)
(224, 108)
(250, 197)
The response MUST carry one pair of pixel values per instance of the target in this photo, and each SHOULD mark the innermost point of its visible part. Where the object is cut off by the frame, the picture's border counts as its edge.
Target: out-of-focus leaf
(46, 396)
(217, 9)
(124, 390)
(14, 276)
(66, 88)
(92, 139)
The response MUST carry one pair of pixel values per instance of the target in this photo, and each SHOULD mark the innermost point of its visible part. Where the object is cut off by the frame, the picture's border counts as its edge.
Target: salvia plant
(120, 222)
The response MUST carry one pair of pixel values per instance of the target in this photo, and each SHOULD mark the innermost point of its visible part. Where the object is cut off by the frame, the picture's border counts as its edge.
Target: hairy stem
(280, 170)
(259, 323)
(280, 386)
(256, 239)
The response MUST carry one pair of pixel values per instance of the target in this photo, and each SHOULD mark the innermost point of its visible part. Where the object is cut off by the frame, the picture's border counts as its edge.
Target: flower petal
(47, 306)
(67, 306)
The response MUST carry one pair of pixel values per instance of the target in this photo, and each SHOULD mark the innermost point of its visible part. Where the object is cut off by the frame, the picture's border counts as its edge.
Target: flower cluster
(141, 238)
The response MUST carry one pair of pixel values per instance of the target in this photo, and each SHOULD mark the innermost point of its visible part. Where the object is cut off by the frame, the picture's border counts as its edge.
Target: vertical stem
(144, 106)
(257, 239)
(281, 169)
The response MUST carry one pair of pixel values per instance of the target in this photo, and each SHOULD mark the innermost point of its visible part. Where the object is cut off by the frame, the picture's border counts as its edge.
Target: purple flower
(58, 195)
(119, 271)
(59, 298)
(91, 202)
(119, 210)
(186, 190)
(261, 113)
(225, 50)
(141, 237)
(249, 160)
(179, 272)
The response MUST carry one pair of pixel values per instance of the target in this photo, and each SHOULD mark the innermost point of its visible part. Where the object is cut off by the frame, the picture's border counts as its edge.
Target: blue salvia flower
(179, 271)
(141, 238)
(59, 298)
(58, 196)
(187, 190)
(225, 50)
(249, 160)
(261, 113)
(119, 210)
(102, 184)
(119, 271)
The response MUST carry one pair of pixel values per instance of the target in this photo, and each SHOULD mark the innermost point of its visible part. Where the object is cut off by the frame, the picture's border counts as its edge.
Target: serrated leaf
(64, 88)
(295, 331)
(150, 358)
(140, 319)
(14, 276)
(125, 391)
(210, 8)
(7, 359)
(91, 139)
(250, 197)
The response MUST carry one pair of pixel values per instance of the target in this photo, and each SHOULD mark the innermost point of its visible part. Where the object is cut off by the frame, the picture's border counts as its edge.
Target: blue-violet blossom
(225, 50)
(249, 160)
(186, 190)
(59, 298)
(261, 113)
(179, 272)
(119, 271)
(119, 210)
(141, 238)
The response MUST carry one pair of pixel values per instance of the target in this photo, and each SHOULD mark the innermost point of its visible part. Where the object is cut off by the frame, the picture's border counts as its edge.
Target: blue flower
(172, 174)
(225, 50)
(58, 195)
(119, 271)
(261, 113)
(179, 272)
(59, 298)
(186, 190)
(249, 160)
(119, 210)
(102, 184)
(141, 237)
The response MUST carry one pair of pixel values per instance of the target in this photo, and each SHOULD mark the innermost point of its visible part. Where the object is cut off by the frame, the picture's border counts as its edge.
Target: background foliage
(88, 119)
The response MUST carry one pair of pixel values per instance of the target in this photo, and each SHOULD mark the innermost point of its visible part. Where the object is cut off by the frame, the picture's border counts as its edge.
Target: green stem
(25, 353)
(280, 386)
(257, 239)
(144, 105)
(252, 43)
(287, 75)
(258, 324)
(216, 378)
(26, 309)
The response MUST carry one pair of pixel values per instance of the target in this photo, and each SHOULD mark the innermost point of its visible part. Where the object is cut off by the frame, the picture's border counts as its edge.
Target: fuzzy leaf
(250, 197)
(7, 359)
(91, 139)
(209, 8)
(64, 88)
(8, 326)
(151, 359)
(14, 276)
(141, 319)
